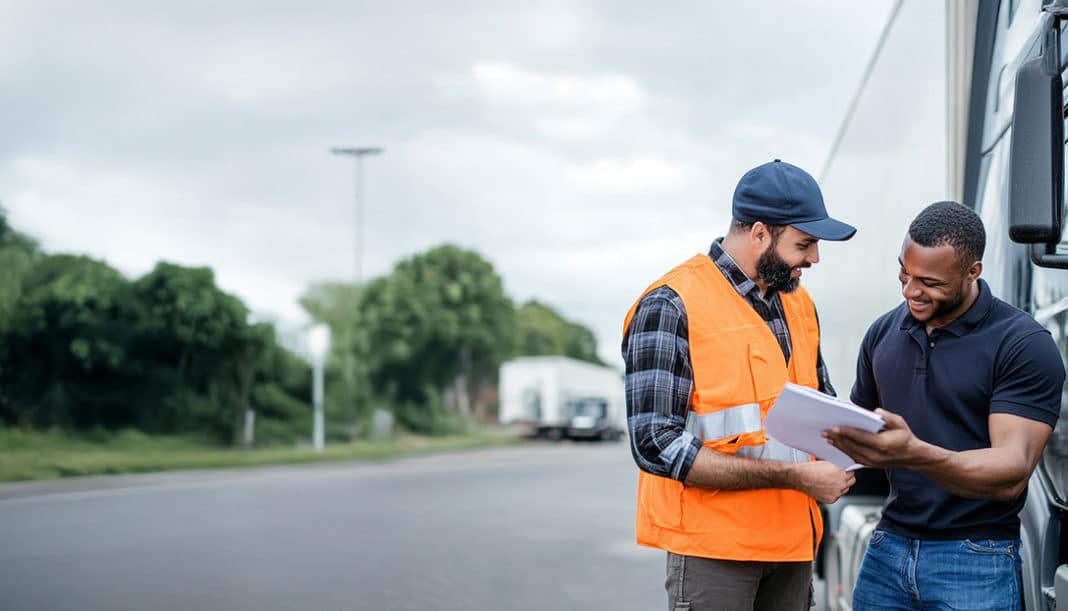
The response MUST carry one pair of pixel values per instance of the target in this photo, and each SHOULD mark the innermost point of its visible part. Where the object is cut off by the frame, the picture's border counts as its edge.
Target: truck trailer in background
(558, 397)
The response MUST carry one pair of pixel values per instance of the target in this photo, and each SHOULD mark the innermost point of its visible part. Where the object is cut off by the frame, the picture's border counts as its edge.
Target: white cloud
(793, 143)
(252, 75)
(503, 82)
(563, 106)
(639, 174)
(105, 213)
(571, 128)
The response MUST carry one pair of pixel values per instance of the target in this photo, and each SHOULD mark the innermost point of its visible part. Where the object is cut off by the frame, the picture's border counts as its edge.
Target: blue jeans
(959, 575)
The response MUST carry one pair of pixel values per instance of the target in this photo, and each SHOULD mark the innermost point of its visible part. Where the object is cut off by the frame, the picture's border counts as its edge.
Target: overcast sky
(583, 148)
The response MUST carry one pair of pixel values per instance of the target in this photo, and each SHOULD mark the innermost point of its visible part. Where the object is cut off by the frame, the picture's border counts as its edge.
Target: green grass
(28, 455)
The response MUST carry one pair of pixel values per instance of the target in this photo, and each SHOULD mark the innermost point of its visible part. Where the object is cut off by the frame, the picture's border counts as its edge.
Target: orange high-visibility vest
(738, 371)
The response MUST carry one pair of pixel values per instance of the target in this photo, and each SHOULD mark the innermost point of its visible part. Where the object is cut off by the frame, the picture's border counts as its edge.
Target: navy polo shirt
(993, 359)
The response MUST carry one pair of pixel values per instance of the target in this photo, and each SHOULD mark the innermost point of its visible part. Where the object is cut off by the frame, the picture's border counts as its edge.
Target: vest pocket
(767, 373)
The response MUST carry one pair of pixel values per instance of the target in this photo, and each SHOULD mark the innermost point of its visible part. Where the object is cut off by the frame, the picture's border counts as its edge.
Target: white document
(800, 414)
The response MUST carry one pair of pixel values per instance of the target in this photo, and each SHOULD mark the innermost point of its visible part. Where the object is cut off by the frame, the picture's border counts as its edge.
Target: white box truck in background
(557, 397)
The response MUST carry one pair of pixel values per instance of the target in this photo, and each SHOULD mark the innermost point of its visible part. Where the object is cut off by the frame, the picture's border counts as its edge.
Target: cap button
(778, 161)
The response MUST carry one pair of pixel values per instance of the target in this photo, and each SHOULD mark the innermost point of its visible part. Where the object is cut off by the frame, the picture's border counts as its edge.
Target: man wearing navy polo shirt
(970, 389)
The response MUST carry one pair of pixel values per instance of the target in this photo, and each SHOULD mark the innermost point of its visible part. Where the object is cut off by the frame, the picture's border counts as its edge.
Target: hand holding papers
(800, 414)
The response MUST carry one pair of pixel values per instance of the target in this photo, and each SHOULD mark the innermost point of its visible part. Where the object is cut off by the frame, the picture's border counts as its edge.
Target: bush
(273, 432)
(271, 401)
(429, 418)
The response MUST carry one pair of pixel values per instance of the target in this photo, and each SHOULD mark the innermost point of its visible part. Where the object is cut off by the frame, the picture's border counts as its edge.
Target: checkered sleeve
(659, 381)
(822, 374)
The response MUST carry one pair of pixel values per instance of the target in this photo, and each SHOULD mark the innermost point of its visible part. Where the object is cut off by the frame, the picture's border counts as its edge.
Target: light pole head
(319, 343)
(356, 151)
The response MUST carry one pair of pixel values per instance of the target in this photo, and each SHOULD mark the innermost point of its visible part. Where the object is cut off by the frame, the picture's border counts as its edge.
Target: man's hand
(823, 481)
(891, 447)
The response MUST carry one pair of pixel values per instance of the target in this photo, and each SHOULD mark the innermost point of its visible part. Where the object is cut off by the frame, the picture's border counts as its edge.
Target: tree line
(84, 347)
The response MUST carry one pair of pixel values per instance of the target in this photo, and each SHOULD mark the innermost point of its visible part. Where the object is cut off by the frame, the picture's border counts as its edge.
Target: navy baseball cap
(778, 193)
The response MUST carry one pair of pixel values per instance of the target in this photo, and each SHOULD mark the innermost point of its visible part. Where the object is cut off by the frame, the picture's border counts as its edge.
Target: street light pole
(359, 153)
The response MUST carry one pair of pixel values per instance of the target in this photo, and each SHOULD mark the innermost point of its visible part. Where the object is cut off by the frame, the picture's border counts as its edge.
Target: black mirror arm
(1045, 255)
(1057, 8)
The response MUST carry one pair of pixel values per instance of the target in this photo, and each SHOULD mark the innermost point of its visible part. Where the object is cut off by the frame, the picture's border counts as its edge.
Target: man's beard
(941, 308)
(774, 271)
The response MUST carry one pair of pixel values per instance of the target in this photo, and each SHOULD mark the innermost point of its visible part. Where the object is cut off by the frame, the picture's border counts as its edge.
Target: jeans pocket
(990, 546)
(877, 537)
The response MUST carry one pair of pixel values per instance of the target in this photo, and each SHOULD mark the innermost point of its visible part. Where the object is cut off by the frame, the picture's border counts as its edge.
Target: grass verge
(48, 455)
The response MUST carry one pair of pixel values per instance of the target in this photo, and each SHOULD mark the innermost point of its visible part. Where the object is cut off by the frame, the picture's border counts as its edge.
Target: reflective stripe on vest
(739, 420)
(735, 420)
(773, 450)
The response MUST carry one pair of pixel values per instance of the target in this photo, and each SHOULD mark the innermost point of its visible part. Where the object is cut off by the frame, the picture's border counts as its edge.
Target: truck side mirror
(1036, 157)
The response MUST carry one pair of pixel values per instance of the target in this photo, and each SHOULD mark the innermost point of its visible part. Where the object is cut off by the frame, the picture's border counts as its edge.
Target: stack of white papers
(800, 414)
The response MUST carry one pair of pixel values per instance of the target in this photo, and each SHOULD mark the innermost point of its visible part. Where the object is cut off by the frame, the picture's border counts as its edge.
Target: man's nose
(911, 289)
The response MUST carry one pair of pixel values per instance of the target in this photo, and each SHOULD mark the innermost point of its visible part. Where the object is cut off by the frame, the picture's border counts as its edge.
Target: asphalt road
(544, 526)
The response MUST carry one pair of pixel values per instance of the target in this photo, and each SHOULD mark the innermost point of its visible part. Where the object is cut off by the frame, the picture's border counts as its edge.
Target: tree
(197, 351)
(347, 383)
(18, 253)
(541, 330)
(65, 346)
(438, 328)
(82, 347)
(281, 394)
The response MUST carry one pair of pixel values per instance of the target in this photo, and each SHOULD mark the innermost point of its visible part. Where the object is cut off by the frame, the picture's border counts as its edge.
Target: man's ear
(974, 271)
(759, 234)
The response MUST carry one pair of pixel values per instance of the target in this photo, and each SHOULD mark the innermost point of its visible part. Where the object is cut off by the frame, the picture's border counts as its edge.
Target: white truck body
(560, 396)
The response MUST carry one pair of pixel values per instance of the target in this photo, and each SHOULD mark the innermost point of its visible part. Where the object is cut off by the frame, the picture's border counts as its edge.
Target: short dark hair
(743, 227)
(954, 224)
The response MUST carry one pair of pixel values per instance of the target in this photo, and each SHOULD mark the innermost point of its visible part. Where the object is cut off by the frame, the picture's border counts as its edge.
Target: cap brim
(827, 229)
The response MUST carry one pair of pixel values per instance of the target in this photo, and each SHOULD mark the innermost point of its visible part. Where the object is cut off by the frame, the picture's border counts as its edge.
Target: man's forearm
(717, 471)
(819, 479)
(989, 473)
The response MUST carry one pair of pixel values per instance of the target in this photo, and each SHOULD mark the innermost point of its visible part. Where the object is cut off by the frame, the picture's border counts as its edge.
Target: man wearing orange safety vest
(708, 347)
